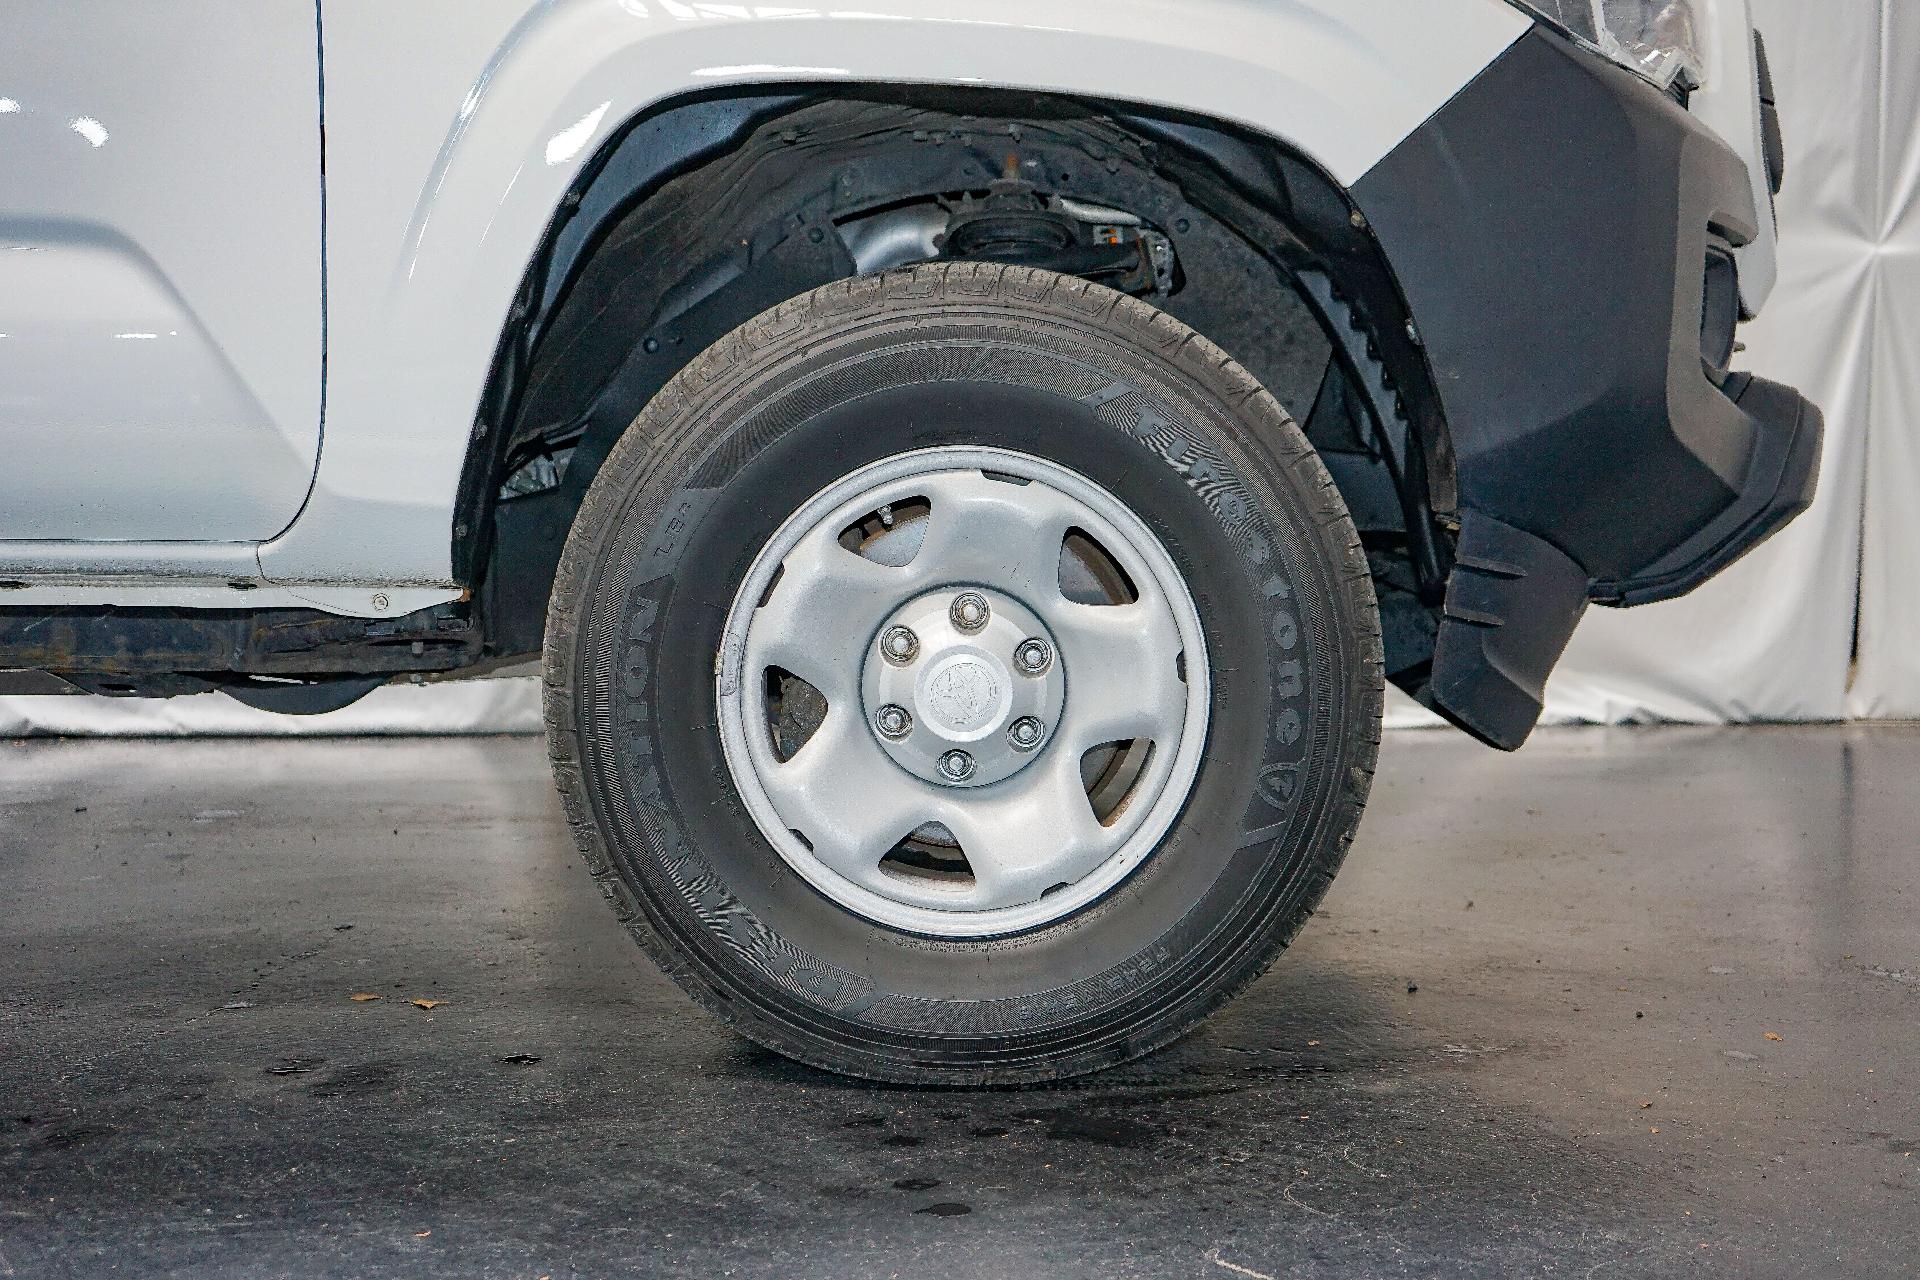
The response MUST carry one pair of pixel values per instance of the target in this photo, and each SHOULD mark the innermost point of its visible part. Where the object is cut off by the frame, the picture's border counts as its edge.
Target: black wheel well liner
(1284, 206)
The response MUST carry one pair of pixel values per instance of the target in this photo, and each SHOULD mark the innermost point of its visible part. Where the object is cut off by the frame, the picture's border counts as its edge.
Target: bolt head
(893, 721)
(1025, 733)
(1033, 656)
(969, 612)
(899, 644)
(956, 766)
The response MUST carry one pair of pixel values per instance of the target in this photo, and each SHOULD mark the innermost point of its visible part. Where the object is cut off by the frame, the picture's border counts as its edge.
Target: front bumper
(1780, 477)
(1551, 230)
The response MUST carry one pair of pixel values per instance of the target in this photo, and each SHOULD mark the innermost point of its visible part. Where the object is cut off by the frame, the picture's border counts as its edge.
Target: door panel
(160, 292)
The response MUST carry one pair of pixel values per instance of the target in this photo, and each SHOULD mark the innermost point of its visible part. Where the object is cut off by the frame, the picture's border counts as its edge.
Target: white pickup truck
(968, 468)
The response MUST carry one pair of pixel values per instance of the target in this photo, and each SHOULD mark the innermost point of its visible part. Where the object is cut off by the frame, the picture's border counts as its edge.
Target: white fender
(454, 128)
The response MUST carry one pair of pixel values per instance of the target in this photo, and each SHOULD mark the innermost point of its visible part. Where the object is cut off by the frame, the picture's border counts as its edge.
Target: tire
(1197, 486)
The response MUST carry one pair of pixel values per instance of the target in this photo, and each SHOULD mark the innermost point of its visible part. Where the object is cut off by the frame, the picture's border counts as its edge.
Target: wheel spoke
(820, 616)
(1036, 833)
(850, 802)
(996, 533)
(1122, 675)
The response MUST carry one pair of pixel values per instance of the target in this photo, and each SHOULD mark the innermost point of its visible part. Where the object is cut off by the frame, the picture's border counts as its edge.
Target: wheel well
(711, 209)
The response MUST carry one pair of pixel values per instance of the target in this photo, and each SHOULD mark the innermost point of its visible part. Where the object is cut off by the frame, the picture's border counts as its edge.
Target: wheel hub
(953, 691)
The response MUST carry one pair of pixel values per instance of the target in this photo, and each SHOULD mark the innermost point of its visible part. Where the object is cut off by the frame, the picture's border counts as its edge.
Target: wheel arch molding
(784, 167)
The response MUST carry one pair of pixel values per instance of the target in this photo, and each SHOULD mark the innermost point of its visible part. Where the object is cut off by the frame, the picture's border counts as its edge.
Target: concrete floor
(1667, 1016)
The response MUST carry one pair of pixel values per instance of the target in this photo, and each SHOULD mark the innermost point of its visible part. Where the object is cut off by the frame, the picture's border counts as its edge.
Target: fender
(456, 129)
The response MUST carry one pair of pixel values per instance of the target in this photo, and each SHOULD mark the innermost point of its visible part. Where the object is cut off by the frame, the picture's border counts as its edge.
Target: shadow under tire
(976, 401)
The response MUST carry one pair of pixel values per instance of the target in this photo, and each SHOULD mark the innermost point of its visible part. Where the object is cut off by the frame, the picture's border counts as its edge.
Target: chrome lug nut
(969, 612)
(893, 721)
(1025, 733)
(899, 644)
(1033, 656)
(956, 766)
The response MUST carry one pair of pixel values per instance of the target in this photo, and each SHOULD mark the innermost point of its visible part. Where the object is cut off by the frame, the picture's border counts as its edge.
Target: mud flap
(1512, 603)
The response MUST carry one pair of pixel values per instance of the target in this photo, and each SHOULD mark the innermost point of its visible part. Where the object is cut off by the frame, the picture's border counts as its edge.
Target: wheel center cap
(953, 688)
(963, 694)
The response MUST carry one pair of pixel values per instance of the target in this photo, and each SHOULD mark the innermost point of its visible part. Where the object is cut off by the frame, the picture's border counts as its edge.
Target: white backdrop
(1772, 639)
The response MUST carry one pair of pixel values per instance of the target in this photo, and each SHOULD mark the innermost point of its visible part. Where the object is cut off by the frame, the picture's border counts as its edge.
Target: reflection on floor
(1629, 1001)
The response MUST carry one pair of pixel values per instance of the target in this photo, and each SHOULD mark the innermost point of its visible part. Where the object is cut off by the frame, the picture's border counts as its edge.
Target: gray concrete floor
(1667, 1016)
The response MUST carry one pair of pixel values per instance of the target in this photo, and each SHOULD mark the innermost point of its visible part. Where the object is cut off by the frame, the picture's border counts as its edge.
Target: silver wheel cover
(1018, 805)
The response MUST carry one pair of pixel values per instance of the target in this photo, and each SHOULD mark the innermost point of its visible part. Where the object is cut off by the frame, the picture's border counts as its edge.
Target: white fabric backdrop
(1772, 639)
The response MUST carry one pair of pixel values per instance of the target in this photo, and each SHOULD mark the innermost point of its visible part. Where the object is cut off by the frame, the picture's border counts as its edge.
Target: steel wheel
(972, 708)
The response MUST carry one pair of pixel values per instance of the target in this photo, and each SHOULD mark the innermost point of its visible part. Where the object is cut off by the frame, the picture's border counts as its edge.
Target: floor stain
(356, 1081)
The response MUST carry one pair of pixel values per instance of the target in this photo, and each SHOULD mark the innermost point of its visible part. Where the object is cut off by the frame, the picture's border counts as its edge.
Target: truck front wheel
(964, 674)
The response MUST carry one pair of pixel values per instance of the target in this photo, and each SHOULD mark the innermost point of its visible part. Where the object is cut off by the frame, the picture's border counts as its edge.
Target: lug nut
(893, 721)
(956, 766)
(1025, 733)
(899, 644)
(969, 611)
(1033, 656)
